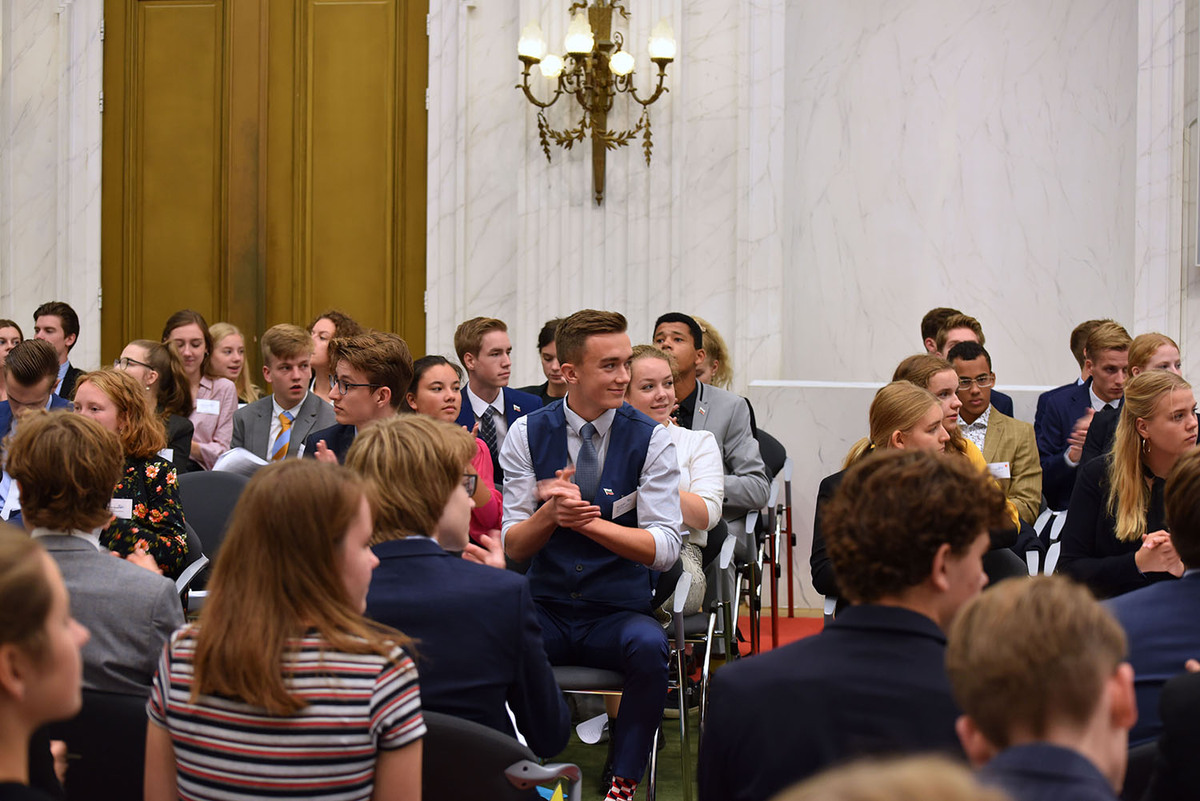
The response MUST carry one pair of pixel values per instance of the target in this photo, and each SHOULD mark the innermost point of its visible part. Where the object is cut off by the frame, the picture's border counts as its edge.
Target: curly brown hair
(892, 512)
(67, 466)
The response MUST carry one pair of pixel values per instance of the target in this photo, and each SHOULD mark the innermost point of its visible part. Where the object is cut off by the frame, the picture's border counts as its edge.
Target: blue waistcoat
(570, 567)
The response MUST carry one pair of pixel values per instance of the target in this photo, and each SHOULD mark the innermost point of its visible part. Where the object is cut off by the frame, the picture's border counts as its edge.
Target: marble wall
(50, 85)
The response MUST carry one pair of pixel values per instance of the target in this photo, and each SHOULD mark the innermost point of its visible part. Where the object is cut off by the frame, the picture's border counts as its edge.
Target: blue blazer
(1057, 412)
(1002, 402)
(517, 404)
(873, 682)
(1044, 772)
(478, 641)
(6, 420)
(338, 438)
(1160, 622)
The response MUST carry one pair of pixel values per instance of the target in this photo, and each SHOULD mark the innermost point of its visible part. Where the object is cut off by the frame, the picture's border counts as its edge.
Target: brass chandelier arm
(631, 90)
(524, 87)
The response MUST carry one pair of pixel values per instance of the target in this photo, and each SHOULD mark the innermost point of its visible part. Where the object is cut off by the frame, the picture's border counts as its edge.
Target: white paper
(122, 508)
(239, 460)
(1000, 470)
(624, 505)
(208, 406)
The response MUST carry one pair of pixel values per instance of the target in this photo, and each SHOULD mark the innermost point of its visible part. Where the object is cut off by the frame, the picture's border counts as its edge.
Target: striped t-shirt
(357, 705)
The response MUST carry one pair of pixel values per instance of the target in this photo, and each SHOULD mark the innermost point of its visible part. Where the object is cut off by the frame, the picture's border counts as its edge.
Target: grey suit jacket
(129, 611)
(727, 416)
(252, 424)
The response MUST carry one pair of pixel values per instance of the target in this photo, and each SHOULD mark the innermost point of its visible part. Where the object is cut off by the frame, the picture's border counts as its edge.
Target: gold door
(263, 160)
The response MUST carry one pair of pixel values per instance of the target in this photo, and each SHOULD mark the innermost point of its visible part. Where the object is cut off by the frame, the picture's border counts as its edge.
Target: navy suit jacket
(517, 404)
(1176, 769)
(1044, 772)
(338, 438)
(1161, 623)
(478, 641)
(1057, 412)
(873, 682)
(1002, 402)
(6, 420)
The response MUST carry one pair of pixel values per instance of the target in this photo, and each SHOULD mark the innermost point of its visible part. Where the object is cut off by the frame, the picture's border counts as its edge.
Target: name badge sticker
(168, 454)
(625, 504)
(122, 508)
(208, 406)
(1000, 470)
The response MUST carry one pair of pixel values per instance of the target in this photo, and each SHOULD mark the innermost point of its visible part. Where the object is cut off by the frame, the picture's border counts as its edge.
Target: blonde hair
(652, 352)
(1128, 495)
(25, 594)
(285, 341)
(898, 406)
(920, 370)
(142, 433)
(247, 390)
(920, 778)
(716, 351)
(412, 463)
(1106, 336)
(1028, 655)
(1144, 346)
(958, 321)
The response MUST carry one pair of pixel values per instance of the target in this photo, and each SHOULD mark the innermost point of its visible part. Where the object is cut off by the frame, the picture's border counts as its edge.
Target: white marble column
(50, 83)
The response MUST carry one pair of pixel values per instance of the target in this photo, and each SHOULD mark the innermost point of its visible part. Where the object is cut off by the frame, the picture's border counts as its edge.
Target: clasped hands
(1158, 554)
(567, 507)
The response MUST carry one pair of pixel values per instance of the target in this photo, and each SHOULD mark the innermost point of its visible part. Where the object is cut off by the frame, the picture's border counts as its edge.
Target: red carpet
(790, 630)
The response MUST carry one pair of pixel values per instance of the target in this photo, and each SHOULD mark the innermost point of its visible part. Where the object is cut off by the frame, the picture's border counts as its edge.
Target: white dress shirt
(976, 431)
(658, 485)
(479, 406)
(701, 472)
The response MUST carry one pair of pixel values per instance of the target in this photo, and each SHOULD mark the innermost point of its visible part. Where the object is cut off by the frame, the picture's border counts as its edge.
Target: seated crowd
(417, 535)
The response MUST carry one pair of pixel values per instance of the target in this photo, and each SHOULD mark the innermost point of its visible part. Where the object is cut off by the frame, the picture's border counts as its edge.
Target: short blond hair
(920, 778)
(1028, 655)
(468, 337)
(958, 321)
(412, 463)
(285, 341)
(68, 466)
(142, 434)
(1106, 336)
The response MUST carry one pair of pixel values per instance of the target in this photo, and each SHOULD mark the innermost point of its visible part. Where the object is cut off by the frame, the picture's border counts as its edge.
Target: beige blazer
(1013, 441)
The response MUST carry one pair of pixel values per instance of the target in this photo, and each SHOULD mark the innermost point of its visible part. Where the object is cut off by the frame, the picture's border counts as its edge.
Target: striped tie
(487, 430)
(587, 466)
(279, 452)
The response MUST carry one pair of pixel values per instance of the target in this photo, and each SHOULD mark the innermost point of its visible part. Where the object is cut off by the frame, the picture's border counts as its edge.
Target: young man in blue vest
(595, 544)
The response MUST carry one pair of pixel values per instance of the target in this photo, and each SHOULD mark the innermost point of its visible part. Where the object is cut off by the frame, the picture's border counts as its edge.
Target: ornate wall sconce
(595, 69)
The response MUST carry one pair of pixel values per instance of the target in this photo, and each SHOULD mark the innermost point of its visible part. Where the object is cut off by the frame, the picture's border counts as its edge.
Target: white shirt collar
(479, 405)
(602, 423)
(92, 537)
(278, 410)
(1098, 404)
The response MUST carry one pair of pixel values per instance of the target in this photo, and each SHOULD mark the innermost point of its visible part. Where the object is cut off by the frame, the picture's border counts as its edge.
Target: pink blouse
(214, 425)
(487, 517)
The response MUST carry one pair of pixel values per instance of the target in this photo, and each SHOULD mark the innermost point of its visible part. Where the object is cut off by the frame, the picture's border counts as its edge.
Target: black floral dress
(156, 523)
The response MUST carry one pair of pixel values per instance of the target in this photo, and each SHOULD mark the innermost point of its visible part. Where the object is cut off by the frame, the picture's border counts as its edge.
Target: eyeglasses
(344, 387)
(982, 381)
(124, 362)
(470, 482)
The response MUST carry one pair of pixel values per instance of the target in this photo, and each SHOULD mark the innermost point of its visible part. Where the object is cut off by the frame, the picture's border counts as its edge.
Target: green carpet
(590, 759)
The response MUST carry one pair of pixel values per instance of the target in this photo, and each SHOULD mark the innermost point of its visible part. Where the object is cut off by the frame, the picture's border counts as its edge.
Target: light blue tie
(279, 452)
(587, 466)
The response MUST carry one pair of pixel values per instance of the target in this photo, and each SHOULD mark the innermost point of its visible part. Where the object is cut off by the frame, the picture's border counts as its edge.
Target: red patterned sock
(621, 790)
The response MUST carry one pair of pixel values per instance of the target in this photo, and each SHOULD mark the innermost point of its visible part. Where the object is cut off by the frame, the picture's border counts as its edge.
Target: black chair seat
(695, 625)
(464, 759)
(208, 499)
(575, 677)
